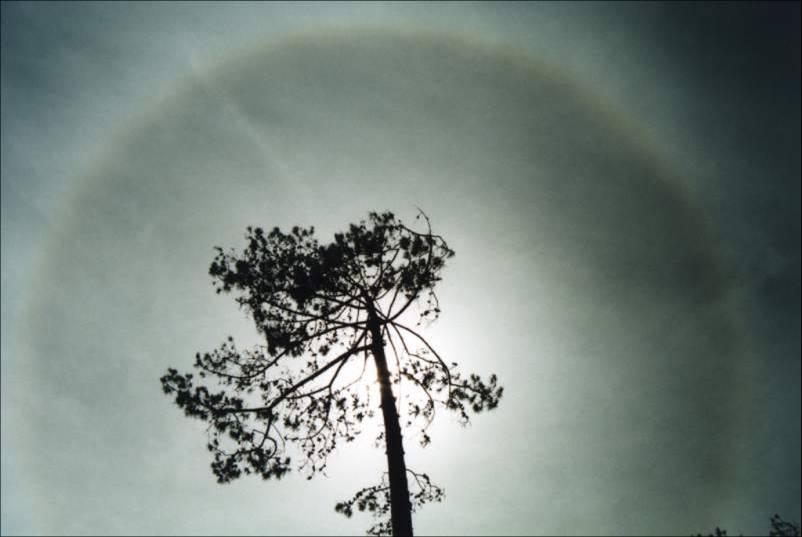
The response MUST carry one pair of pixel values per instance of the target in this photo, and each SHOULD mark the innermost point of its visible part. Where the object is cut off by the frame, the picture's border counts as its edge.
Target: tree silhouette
(324, 310)
(779, 528)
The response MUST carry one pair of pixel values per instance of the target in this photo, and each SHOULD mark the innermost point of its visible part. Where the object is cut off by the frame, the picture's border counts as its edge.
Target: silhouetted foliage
(376, 500)
(320, 309)
(718, 532)
(779, 528)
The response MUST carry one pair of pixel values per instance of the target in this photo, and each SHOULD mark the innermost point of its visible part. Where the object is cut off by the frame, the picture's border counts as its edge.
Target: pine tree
(322, 309)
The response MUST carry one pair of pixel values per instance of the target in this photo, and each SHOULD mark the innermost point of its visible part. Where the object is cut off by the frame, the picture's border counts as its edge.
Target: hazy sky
(620, 182)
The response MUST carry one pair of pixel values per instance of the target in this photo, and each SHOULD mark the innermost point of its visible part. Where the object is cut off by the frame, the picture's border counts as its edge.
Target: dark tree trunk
(400, 508)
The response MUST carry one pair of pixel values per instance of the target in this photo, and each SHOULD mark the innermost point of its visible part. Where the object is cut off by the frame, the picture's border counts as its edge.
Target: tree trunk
(400, 507)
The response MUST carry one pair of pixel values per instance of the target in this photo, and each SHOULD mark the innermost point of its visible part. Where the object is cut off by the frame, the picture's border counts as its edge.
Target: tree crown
(313, 304)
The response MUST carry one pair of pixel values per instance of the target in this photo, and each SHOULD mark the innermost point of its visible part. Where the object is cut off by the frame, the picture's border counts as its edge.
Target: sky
(620, 182)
